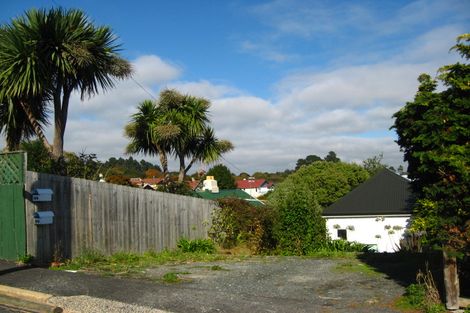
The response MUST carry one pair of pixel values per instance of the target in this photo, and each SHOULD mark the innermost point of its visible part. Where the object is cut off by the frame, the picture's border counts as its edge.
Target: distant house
(377, 212)
(255, 187)
(146, 183)
(229, 193)
(211, 191)
(194, 184)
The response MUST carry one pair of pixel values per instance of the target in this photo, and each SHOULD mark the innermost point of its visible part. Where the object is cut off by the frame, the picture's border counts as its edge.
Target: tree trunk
(36, 126)
(182, 169)
(451, 281)
(164, 163)
(61, 105)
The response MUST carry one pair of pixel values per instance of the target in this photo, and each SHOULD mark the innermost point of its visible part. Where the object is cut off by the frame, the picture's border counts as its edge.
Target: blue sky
(286, 78)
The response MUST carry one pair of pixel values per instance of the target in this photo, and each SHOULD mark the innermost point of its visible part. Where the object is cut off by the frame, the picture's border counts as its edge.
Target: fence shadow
(402, 267)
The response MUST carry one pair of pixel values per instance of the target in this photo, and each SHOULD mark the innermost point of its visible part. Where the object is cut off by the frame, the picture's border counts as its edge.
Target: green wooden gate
(12, 207)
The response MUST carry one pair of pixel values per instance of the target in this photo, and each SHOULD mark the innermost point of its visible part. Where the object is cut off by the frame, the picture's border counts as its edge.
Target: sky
(285, 78)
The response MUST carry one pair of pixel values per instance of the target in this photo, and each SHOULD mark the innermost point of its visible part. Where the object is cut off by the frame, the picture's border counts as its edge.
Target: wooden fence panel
(109, 218)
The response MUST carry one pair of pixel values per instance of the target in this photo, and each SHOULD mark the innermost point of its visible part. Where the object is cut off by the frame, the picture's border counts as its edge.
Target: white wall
(382, 231)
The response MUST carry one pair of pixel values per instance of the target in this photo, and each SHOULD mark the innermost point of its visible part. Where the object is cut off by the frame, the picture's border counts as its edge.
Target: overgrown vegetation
(238, 222)
(299, 227)
(126, 263)
(433, 132)
(422, 295)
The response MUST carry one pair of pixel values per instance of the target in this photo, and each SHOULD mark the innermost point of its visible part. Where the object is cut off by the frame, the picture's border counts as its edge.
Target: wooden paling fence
(109, 218)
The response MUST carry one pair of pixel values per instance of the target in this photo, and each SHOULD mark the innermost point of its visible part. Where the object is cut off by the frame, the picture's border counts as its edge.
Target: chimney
(210, 184)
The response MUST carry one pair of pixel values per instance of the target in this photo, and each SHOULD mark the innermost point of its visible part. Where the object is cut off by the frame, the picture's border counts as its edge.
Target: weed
(171, 277)
(197, 245)
(216, 268)
(24, 259)
(422, 295)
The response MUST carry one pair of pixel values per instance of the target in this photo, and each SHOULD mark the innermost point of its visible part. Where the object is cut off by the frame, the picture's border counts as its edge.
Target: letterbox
(43, 217)
(42, 195)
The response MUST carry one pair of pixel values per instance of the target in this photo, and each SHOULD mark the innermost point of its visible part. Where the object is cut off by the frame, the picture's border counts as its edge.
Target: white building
(377, 212)
(255, 187)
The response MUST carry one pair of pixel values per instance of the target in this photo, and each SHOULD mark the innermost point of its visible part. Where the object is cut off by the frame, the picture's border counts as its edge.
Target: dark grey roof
(384, 193)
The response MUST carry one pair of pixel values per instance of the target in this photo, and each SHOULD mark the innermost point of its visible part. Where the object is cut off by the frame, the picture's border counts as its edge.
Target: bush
(197, 245)
(236, 221)
(342, 245)
(299, 226)
(176, 188)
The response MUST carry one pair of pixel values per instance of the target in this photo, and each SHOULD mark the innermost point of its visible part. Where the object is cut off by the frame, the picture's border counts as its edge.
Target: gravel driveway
(264, 284)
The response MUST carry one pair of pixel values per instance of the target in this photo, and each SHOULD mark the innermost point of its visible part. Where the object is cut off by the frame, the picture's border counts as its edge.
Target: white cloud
(151, 69)
(204, 88)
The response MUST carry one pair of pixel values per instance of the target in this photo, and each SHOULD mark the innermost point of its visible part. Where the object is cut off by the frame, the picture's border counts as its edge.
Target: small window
(342, 234)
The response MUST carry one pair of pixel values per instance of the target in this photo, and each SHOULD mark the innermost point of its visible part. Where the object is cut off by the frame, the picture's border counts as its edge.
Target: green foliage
(82, 165)
(374, 164)
(39, 159)
(176, 125)
(331, 157)
(124, 263)
(171, 277)
(176, 188)
(328, 180)
(196, 245)
(341, 245)
(433, 132)
(276, 177)
(127, 167)
(223, 176)
(25, 259)
(299, 227)
(236, 221)
(415, 298)
(48, 54)
(308, 160)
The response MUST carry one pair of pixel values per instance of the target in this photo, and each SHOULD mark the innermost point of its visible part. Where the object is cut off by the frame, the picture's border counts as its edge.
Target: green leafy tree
(374, 164)
(434, 131)
(308, 160)
(144, 137)
(331, 157)
(193, 140)
(176, 125)
(223, 176)
(299, 227)
(49, 54)
(38, 156)
(328, 180)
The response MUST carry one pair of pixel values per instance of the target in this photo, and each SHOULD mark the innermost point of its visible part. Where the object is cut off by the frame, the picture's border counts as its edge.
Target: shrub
(176, 188)
(342, 245)
(196, 245)
(236, 221)
(299, 227)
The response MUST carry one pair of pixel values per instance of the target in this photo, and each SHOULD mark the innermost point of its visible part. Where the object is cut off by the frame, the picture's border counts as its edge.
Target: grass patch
(131, 264)
(354, 266)
(333, 254)
(173, 277)
(217, 268)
